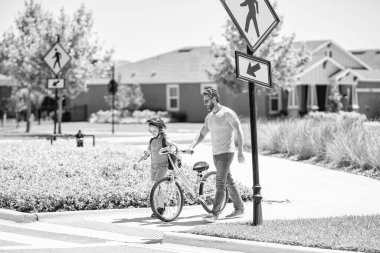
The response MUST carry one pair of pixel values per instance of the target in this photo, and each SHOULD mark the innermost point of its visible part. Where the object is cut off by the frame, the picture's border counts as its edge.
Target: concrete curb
(21, 217)
(17, 216)
(238, 245)
(88, 213)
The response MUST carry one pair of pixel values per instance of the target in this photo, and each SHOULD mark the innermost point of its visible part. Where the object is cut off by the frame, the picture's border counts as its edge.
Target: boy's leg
(160, 173)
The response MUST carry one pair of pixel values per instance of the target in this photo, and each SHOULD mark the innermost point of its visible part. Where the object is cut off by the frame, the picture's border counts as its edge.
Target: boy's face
(153, 130)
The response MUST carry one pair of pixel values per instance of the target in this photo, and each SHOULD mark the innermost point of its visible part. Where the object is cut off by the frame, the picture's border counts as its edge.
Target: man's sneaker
(235, 214)
(210, 218)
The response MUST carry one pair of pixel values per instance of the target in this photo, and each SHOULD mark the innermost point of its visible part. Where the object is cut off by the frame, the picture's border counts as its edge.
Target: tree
(287, 61)
(22, 51)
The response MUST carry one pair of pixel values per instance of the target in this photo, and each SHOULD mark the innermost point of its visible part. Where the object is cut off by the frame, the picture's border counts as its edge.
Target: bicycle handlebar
(183, 151)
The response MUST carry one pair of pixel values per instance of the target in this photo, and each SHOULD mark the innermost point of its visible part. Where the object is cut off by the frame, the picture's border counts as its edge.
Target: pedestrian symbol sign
(253, 69)
(56, 83)
(255, 19)
(57, 58)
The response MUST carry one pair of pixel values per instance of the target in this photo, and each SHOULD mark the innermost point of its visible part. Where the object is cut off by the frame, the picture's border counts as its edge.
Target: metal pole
(257, 210)
(113, 98)
(55, 111)
(56, 100)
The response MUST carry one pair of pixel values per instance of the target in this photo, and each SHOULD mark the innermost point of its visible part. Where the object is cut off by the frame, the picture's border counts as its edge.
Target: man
(222, 122)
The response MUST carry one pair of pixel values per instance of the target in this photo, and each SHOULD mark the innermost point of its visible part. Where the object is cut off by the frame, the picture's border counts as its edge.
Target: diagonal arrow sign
(251, 70)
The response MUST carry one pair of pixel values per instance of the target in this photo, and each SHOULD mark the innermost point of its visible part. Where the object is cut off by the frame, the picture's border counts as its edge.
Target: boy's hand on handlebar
(163, 151)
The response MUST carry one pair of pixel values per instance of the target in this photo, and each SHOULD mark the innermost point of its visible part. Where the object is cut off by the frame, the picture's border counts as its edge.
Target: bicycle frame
(185, 182)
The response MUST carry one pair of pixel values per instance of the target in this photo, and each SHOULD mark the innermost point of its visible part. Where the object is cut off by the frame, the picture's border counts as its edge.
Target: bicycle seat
(200, 166)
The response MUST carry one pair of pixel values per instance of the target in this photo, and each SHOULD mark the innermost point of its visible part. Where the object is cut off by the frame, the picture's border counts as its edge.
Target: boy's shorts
(156, 173)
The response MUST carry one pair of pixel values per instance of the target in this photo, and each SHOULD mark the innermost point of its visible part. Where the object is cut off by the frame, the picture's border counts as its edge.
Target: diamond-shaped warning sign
(57, 58)
(255, 19)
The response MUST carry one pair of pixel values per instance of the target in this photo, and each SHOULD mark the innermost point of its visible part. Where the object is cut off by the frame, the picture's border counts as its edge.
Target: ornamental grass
(346, 140)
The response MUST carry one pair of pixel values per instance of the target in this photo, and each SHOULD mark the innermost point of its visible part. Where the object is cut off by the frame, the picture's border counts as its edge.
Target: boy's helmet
(157, 122)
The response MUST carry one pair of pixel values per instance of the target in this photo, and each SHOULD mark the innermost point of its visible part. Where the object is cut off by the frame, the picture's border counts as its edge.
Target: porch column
(354, 99)
(312, 100)
(293, 103)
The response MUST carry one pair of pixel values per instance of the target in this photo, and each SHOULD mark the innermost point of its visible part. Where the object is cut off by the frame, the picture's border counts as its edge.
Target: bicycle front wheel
(166, 199)
(207, 191)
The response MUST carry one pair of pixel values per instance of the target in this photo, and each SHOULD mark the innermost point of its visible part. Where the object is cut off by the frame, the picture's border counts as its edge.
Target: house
(6, 86)
(174, 82)
(356, 74)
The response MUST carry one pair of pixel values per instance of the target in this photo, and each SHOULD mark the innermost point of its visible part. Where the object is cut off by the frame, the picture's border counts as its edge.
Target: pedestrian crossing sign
(255, 19)
(57, 58)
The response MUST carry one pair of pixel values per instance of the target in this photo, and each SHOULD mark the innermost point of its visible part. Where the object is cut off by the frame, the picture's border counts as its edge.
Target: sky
(139, 29)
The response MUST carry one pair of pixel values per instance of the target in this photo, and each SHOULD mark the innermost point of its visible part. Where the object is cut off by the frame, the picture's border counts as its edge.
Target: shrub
(62, 177)
(126, 117)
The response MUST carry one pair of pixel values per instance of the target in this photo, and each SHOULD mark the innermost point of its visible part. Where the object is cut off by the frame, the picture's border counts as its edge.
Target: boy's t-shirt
(157, 160)
(221, 130)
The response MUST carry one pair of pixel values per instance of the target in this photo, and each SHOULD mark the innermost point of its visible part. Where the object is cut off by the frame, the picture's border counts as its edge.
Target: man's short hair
(211, 92)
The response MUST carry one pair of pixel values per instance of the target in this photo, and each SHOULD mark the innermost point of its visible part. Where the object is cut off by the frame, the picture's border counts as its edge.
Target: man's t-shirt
(221, 130)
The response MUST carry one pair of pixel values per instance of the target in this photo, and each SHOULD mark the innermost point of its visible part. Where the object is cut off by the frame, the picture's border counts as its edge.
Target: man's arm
(240, 138)
(202, 134)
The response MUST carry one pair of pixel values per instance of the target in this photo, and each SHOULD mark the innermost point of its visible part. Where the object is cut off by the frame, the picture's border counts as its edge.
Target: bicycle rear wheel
(207, 190)
(166, 199)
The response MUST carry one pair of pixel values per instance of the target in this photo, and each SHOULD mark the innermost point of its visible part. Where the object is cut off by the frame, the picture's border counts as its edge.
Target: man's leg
(234, 193)
(222, 164)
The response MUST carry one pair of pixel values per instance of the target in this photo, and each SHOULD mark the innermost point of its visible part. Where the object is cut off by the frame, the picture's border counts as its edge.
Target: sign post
(112, 88)
(56, 59)
(258, 19)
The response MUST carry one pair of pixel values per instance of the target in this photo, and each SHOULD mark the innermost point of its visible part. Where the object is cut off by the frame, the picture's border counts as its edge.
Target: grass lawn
(351, 233)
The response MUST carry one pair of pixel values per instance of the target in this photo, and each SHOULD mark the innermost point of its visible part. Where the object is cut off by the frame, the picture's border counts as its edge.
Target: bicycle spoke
(166, 199)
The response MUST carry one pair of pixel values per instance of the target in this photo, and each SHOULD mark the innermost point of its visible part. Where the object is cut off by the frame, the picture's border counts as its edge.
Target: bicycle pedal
(190, 201)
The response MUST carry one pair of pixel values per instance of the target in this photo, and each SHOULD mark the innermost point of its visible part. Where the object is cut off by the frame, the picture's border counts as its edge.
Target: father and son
(221, 122)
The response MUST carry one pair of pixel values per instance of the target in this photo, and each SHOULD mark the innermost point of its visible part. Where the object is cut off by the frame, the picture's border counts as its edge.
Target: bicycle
(167, 197)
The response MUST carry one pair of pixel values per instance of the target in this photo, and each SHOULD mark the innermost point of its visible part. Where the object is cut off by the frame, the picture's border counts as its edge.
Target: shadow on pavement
(178, 222)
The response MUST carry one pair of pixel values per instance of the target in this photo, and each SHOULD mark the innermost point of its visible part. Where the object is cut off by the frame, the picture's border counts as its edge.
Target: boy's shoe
(160, 210)
(235, 214)
(211, 218)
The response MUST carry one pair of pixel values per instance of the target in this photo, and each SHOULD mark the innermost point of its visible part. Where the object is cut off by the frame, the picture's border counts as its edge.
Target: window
(274, 103)
(208, 85)
(172, 97)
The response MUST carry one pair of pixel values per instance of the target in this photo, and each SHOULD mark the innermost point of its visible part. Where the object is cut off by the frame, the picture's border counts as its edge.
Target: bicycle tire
(208, 186)
(172, 198)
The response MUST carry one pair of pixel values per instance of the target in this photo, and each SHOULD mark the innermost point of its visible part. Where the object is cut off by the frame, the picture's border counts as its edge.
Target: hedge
(38, 177)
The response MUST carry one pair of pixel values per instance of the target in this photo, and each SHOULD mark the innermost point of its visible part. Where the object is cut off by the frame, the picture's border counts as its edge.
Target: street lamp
(112, 89)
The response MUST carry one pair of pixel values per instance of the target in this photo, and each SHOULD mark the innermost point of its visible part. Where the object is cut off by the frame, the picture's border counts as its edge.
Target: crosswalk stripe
(31, 240)
(61, 246)
(62, 229)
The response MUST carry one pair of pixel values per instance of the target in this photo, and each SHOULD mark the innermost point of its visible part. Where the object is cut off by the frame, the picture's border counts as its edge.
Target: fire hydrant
(79, 136)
